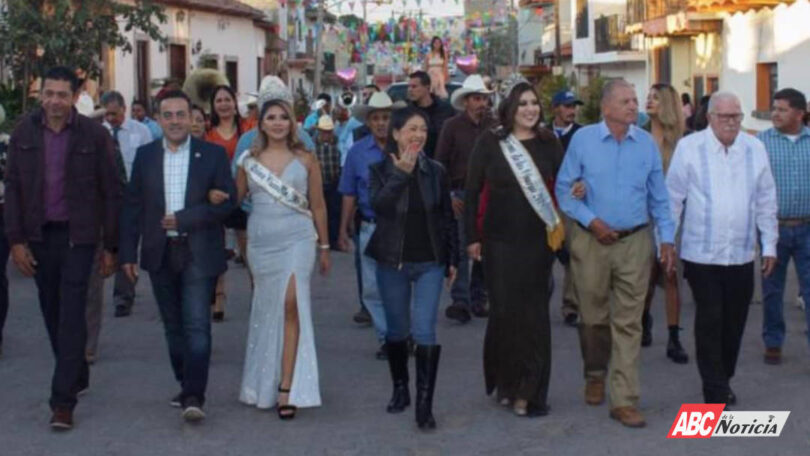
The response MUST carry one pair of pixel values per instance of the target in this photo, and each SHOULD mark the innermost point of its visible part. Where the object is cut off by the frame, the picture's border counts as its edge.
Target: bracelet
(324, 246)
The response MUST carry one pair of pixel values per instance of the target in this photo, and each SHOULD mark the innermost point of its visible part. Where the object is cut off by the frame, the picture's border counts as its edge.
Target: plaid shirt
(175, 176)
(790, 165)
(329, 158)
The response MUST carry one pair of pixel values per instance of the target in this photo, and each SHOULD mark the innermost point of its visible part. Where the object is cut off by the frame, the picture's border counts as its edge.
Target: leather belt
(793, 222)
(622, 233)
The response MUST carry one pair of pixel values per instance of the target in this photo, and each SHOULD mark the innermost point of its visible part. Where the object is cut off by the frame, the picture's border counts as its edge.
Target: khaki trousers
(610, 282)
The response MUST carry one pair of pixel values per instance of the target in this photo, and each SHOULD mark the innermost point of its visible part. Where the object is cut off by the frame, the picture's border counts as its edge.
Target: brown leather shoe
(628, 416)
(62, 419)
(773, 355)
(594, 392)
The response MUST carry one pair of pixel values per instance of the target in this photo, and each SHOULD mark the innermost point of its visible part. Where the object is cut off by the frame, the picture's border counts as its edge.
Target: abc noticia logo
(702, 421)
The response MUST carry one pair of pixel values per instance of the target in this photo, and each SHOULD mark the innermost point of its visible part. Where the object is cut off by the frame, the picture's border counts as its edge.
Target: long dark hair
(441, 49)
(508, 108)
(399, 117)
(215, 117)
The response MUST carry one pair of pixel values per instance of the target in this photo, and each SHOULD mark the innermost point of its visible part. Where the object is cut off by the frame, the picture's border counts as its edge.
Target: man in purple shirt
(62, 198)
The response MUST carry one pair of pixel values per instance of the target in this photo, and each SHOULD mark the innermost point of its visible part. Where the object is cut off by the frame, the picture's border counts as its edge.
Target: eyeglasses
(738, 117)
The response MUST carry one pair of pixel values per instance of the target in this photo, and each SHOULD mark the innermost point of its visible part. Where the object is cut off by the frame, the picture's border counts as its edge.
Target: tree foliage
(591, 95)
(40, 34)
(500, 47)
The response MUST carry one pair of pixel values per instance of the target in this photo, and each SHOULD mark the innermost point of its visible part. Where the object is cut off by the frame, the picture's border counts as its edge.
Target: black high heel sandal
(285, 412)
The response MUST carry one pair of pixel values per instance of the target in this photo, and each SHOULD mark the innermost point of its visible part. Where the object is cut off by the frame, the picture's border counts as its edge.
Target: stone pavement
(126, 411)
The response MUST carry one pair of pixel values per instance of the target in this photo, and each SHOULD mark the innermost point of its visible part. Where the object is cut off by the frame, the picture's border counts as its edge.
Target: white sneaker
(193, 414)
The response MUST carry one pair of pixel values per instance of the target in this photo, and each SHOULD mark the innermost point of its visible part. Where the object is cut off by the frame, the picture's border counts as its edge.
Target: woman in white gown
(281, 366)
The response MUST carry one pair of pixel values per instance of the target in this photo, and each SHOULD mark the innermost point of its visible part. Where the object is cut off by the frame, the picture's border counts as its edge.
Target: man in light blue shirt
(612, 246)
(354, 185)
(326, 109)
(141, 114)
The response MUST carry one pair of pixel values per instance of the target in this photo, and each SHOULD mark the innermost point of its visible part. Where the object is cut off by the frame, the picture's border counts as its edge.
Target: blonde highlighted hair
(261, 141)
(670, 118)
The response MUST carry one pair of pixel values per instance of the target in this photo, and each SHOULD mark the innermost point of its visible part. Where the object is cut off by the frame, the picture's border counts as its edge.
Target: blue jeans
(4, 251)
(371, 293)
(358, 268)
(794, 242)
(424, 282)
(184, 300)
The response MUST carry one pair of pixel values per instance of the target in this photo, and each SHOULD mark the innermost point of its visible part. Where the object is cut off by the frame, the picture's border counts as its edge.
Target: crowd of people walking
(446, 190)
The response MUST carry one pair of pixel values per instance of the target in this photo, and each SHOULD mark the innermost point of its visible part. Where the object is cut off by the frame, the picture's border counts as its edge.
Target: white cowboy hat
(377, 102)
(325, 123)
(473, 84)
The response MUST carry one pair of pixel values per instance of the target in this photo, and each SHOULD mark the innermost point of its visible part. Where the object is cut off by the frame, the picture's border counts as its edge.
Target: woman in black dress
(514, 246)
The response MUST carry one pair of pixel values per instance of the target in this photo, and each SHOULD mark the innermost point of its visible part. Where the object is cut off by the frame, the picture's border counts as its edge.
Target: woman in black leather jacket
(415, 248)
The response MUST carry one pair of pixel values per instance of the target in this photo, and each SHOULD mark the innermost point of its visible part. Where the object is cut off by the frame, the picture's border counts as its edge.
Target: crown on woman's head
(273, 88)
(508, 84)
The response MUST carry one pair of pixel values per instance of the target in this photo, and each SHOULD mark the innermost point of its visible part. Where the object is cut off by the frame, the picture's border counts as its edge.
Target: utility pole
(363, 51)
(557, 47)
(318, 48)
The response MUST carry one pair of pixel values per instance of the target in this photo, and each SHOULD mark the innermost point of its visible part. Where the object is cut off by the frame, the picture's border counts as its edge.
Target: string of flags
(396, 43)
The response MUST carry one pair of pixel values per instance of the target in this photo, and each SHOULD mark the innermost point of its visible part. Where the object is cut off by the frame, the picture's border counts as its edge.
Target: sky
(430, 8)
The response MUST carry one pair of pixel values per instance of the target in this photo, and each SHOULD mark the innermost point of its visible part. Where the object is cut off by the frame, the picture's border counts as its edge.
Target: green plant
(40, 34)
(546, 88)
(591, 96)
(11, 100)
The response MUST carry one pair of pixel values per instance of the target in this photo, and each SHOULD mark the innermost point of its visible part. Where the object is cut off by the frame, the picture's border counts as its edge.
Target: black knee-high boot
(398, 364)
(427, 363)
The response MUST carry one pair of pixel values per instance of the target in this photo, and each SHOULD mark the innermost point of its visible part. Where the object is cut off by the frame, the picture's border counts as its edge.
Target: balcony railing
(639, 11)
(610, 34)
(534, 3)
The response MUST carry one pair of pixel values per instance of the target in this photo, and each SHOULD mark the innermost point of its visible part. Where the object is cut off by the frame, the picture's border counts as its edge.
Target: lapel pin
(197, 155)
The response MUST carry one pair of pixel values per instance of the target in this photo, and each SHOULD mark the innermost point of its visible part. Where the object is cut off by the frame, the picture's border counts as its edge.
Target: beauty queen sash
(534, 189)
(273, 185)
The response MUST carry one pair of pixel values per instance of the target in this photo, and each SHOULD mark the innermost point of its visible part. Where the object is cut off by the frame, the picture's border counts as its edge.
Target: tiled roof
(228, 7)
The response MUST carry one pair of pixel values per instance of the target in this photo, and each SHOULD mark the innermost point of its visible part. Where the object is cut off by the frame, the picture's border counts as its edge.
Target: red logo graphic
(696, 421)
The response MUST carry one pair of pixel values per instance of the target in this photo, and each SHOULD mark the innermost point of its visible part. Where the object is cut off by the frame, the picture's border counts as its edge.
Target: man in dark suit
(166, 207)
(61, 200)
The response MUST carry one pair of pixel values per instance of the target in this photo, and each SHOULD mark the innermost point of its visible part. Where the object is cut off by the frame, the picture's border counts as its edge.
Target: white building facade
(232, 40)
(601, 47)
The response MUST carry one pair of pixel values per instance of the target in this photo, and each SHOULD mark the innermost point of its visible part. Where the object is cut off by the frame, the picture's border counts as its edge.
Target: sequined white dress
(281, 243)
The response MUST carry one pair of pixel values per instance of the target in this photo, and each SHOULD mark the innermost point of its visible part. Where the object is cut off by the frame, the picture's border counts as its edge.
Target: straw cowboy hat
(379, 101)
(473, 84)
(325, 123)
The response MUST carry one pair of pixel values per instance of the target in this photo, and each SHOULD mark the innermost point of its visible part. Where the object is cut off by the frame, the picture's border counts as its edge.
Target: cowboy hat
(325, 123)
(379, 101)
(473, 84)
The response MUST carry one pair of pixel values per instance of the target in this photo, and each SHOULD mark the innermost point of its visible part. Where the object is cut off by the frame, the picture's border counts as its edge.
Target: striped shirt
(175, 176)
(790, 164)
